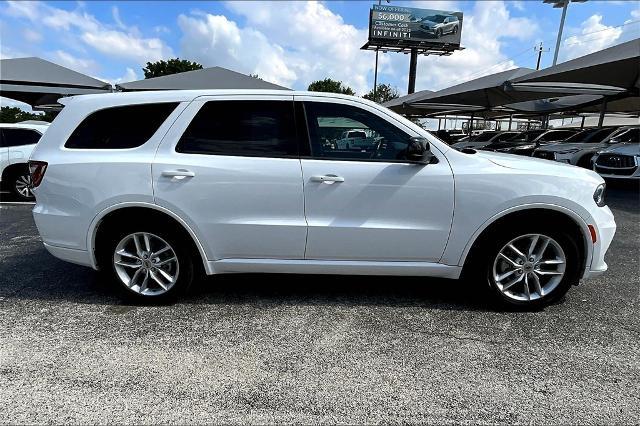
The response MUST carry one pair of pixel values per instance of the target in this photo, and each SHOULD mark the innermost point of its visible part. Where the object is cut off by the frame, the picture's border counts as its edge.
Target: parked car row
(614, 152)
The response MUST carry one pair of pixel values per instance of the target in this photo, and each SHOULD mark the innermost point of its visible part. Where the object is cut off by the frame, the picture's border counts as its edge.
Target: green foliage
(172, 66)
(384, 94)
(15, 115)
(331, 86)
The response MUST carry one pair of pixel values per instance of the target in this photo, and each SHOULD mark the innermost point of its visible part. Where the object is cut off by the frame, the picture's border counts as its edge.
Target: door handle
(329, 179)
(178, 174)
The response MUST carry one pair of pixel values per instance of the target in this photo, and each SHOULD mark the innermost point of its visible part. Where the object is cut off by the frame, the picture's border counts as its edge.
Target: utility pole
(539, 49)
(564, 4)
(564, 15)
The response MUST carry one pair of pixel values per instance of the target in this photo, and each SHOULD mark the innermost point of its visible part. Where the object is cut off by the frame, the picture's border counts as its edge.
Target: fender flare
(586, 235)
(93, 227)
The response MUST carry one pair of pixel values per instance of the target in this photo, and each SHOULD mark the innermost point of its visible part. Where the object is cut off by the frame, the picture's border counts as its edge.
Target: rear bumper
(79, 257)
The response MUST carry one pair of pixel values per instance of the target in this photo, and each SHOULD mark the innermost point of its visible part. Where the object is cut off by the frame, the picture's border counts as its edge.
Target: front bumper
(605, 230)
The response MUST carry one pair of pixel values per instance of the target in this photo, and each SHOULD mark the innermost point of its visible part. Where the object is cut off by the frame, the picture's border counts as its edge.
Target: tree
(331, 86)
(384, 94)
(15, 115)
(172, 66)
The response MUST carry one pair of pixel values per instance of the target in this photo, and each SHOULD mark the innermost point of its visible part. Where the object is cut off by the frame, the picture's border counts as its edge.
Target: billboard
(411, 27)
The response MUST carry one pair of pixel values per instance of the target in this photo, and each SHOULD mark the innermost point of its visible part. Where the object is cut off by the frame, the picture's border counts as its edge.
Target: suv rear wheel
(530, 267)
(147, 263)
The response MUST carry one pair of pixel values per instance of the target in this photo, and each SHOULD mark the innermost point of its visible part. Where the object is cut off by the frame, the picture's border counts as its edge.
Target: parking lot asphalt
(314, 349)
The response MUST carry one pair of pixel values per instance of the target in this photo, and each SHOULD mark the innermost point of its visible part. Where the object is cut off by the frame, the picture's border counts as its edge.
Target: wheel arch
(556, 213)
(13, 168)
(138, 209)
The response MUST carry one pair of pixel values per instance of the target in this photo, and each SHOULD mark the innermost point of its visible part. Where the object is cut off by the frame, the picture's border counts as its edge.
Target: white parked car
(619, 161)
(485, 138)
(579, 149)
(153, 187)
(17, 141)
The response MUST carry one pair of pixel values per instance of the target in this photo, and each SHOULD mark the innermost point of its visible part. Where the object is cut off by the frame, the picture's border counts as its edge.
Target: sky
(293, 43)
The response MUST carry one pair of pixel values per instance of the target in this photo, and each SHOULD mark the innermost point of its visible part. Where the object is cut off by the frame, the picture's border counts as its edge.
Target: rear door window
(121, 127)
(242, 128)
(17, 137)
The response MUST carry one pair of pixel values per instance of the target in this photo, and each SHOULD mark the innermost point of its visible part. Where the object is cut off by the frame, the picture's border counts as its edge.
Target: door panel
(382, 211)
(240, 206)
(369, 205)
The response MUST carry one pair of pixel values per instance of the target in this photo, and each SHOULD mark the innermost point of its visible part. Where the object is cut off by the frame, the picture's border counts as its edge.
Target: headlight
(598, 196)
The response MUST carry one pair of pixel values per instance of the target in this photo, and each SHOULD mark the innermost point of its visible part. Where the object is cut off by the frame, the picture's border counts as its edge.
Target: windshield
(626, 136)
(528, 136)
(556, 135)
(582, 136)
(436, 18)
(484, 137)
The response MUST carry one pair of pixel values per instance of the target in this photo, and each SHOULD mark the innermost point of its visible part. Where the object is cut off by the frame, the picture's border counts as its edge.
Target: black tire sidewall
(174, 239)
(572, 270)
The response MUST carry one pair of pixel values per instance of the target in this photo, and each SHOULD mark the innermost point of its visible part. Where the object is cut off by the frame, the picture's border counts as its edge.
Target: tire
(554, 286)
(117, 268)
(19, 184)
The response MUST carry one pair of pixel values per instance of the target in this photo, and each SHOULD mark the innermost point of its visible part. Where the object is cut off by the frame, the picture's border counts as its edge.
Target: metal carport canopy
(608, 72)
(476, 95)
(207, 78)
(38, 82)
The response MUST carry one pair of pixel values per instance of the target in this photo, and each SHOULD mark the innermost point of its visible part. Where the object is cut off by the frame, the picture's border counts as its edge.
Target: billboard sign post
(415, 31)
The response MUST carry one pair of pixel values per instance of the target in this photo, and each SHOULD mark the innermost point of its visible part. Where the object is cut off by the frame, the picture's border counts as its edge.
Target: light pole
(564, 4)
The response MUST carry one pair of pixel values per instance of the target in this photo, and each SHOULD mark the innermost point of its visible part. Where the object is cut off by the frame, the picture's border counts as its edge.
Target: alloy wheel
(146, 264)
(529, 267)
(23, 186)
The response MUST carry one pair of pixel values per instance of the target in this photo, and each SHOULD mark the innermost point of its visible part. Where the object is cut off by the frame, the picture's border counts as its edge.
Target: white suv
(17, 141)
(153, 187)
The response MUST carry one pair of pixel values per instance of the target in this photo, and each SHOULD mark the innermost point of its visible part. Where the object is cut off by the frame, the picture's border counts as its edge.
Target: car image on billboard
(409, 26)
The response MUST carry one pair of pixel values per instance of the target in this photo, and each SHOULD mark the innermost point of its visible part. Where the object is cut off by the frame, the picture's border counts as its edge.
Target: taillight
(37, 169)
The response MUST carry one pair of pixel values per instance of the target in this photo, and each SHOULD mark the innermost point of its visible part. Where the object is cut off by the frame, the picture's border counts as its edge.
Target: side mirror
(418, 151)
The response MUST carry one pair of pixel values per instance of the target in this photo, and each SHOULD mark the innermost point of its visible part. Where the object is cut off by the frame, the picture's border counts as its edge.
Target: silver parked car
(579, 148)
(439, 25)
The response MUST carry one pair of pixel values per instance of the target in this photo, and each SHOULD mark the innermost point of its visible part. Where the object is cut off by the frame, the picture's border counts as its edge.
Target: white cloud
(127, 46)
(593, 36)
(122, 41)
(66, 59)
(31, 36)
(129, 75)
(294, 53)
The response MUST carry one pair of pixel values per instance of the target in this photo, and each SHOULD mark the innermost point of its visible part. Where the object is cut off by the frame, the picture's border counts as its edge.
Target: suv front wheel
(531, 268)
(147, 263)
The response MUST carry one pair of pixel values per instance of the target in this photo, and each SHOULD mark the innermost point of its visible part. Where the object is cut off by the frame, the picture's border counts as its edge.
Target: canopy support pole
(510, 120)
(603, 110)
(470, 124)
(413, 64)
(582, 123)
(439, 123)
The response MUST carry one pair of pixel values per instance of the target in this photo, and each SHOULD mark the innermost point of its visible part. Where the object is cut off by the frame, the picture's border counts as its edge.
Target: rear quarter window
(17, 137)
(121, 127)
